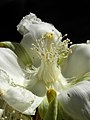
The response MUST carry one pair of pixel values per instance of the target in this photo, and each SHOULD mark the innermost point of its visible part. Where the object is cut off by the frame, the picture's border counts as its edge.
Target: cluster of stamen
(50, 51)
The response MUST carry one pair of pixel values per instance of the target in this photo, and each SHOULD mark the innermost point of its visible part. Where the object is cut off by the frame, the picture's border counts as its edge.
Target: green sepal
(19, 50)
(50, 109)
(42, 109)
(51, 113)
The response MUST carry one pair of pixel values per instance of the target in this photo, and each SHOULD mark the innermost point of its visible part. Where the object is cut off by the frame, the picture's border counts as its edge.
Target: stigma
(49, 36)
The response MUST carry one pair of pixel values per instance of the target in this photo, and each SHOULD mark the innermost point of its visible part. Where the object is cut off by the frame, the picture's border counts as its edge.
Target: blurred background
(72, 18)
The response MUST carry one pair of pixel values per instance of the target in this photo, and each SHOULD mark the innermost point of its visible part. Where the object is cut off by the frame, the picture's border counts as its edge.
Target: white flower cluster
(44, 72)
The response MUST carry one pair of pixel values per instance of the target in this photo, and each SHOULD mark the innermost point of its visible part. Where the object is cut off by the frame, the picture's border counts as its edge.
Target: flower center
(51, 55)
(50, 50)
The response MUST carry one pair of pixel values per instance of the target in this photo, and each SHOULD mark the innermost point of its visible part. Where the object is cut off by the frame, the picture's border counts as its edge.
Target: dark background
(72, 18)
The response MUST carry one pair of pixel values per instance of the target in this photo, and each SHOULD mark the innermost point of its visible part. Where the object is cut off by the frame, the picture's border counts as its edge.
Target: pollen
(49, 36)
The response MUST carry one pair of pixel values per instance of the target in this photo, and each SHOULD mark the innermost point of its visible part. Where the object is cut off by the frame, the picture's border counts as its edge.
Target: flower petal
(22, 100)
(18, 49)
(9, 64)
(78, 62)
(33, 29)
(76, 101)
(4, 81)
(37, 87)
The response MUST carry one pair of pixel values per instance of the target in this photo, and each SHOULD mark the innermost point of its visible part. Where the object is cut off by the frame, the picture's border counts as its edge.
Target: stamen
(64, 36)
(50, 51)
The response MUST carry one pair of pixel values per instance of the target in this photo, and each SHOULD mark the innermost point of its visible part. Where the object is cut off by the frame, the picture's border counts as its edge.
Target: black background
(72, 18)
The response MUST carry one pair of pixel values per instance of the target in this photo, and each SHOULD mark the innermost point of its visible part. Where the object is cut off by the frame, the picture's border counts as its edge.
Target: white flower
(43, 67)
(72, 69)
(15, 74)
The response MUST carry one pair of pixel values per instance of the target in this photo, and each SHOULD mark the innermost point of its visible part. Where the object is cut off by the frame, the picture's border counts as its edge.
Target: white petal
(9, 64)
(37, 87)
(78, 62)
(33, 29)
(76, 101)
(36, 27)
(4, 81)
(22, 100)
